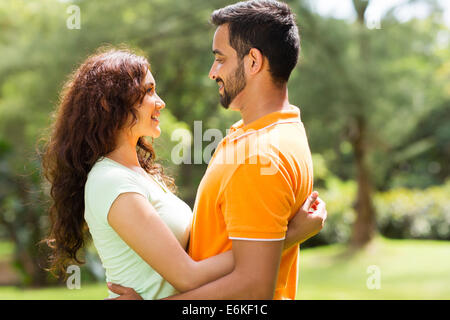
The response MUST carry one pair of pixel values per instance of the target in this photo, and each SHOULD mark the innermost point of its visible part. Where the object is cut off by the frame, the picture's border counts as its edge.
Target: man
(247, 203)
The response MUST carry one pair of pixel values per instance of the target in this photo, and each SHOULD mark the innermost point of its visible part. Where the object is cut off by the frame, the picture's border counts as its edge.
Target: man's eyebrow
(217, 51)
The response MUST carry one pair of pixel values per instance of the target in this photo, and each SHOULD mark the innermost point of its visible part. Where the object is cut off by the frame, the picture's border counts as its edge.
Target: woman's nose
(160, 104)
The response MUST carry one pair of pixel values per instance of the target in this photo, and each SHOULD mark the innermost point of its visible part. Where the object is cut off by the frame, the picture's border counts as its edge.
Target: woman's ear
(256, 61)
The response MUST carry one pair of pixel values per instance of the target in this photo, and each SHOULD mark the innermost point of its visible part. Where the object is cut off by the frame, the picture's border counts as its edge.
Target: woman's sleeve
(104, 189)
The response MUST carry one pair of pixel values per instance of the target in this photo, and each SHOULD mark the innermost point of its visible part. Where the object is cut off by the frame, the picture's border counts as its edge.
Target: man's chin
(223, 103)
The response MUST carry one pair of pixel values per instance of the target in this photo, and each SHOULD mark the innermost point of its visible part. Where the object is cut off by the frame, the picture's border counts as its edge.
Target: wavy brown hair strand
(96, 102)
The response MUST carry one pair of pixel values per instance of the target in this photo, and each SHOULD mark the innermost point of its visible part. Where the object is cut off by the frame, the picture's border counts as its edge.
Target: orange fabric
(257, 179)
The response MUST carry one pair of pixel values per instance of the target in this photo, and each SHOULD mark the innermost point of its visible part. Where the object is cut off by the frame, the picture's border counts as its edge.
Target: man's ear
(255, 61)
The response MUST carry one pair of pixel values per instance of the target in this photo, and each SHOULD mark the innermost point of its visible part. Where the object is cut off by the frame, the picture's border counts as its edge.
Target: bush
(415, 214)
(401, 213)
(339, 197)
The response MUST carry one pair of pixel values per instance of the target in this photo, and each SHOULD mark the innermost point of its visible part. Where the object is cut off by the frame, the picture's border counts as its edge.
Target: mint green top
(106, 181)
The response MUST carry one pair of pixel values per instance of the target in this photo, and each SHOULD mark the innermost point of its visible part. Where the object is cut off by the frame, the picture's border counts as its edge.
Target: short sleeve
(103, 189)
(257, 205)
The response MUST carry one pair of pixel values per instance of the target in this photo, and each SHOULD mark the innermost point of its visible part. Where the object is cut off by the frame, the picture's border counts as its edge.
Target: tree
(38, 52)
(363, 92)
(364, 226)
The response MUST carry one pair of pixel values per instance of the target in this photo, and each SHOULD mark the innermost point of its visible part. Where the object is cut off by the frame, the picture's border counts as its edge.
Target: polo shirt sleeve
(257, 205)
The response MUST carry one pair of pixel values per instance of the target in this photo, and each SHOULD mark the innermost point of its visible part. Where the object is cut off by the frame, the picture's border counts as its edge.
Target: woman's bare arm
(138, 224)
(308, 221)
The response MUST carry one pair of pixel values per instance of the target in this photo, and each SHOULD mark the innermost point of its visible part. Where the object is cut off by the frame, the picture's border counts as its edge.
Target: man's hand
(308, 221)
(123, 292)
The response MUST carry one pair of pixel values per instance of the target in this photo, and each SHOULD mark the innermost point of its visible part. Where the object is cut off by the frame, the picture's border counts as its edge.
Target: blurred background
(373, 85)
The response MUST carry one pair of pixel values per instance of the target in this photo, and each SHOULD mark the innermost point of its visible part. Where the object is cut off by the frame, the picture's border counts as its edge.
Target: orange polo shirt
(256, 180)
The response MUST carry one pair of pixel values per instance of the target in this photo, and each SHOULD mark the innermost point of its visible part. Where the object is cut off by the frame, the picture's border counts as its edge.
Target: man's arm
(254, 275)
(256, 207)
(303, 226)
(256, 262)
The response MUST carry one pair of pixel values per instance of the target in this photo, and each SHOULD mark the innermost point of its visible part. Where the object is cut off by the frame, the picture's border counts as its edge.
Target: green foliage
(415, 214)
(402, 80)
(38, 52)
(401, 213)
(403, 90)
(339, 197)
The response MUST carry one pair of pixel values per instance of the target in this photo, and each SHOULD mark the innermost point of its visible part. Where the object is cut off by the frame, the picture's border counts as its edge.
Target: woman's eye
(150, 90)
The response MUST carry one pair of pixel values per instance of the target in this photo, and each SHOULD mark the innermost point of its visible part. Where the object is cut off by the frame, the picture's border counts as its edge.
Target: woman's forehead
(149, 78)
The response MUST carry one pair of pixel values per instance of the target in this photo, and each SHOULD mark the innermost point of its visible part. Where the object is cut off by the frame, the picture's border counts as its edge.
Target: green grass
(410, 269)
(86, 292)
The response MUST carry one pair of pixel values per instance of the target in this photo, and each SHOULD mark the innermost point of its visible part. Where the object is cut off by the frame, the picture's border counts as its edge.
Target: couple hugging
(241, 241)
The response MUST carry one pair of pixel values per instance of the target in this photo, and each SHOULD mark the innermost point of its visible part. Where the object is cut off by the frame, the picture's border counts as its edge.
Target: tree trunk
(365, 224)
(30, 258)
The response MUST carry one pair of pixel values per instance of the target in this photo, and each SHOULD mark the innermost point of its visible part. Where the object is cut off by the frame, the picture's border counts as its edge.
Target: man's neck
(261, 102)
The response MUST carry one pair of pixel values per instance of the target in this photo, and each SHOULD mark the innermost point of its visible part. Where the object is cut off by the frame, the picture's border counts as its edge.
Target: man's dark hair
(267, 25)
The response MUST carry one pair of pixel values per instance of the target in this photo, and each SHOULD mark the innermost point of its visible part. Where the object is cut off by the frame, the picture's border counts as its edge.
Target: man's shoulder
(275, 142)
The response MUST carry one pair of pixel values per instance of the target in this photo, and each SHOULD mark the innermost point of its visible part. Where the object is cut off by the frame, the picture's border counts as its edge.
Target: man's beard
(236, 82)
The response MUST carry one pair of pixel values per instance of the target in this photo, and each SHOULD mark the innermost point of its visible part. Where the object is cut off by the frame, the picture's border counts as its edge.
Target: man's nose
(212, 73)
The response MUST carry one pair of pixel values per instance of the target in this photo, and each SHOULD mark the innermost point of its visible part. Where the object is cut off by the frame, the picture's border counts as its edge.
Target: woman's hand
(308, 221)
(124, 293)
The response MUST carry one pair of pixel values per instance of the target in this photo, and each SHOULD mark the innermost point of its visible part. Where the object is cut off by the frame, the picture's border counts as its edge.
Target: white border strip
(253, 239)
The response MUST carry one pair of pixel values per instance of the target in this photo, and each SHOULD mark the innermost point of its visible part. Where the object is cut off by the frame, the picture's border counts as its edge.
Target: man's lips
(220, 83)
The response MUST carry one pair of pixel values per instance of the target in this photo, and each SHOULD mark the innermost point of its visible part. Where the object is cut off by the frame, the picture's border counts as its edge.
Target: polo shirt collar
(283, 116)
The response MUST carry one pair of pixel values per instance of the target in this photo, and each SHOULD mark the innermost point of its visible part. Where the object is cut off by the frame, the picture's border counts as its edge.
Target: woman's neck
(125, 152)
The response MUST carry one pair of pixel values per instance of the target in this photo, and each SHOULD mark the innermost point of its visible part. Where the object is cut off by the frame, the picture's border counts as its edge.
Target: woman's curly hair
(95, 103)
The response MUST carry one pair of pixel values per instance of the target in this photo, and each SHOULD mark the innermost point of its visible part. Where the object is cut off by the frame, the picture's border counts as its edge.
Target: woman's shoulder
(106, 181)
(106, 173)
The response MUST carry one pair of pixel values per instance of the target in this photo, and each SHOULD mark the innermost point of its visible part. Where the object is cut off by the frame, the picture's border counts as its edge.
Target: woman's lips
(155, 118)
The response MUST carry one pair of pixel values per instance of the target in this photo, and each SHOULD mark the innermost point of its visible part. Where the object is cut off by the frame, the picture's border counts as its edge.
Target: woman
(103, 176)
